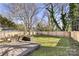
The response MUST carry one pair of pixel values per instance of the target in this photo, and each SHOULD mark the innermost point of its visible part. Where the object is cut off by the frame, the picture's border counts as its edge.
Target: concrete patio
(18, 49)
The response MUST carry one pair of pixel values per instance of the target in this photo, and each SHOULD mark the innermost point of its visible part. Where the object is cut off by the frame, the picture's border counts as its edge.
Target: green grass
(51, 46)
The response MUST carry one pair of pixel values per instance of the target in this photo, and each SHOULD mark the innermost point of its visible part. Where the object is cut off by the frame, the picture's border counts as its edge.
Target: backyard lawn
(51, 46)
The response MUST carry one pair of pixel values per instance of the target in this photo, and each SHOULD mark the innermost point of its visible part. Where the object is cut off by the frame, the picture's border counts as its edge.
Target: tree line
(59, 16)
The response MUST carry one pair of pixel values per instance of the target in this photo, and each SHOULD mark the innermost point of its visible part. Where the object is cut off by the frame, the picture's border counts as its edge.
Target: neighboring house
(2, 27)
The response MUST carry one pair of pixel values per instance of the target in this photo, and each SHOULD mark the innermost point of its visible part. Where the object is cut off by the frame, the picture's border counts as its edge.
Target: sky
(4, 11)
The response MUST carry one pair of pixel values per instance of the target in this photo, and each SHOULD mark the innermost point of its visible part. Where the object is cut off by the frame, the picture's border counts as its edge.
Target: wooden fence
(4, 34)
(56, 33)
(73, 34)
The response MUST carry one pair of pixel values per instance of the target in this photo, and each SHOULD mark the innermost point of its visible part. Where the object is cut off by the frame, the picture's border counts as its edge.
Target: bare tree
(25, 12)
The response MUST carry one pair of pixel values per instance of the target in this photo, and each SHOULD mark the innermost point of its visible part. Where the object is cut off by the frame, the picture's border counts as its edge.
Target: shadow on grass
(58, 50)
(46, 36)
(65, 42)
(74, 43)
(50, 51)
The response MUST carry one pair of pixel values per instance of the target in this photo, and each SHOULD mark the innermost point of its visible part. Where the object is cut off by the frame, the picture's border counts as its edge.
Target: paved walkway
(18, 49)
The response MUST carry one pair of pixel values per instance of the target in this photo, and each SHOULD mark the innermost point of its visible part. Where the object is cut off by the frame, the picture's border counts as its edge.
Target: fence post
(69, 34)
